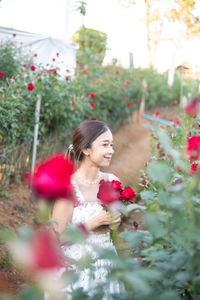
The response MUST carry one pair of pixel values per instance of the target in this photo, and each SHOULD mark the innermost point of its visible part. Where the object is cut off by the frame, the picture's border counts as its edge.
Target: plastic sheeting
(47, 49)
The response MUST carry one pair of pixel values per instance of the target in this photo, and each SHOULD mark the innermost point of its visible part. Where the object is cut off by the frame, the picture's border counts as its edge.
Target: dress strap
(78, 193)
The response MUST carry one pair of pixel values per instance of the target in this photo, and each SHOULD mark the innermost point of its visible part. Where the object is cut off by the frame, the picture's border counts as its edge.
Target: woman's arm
(62, 214)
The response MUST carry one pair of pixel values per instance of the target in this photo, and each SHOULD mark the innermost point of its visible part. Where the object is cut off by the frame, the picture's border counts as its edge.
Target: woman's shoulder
(109, 176)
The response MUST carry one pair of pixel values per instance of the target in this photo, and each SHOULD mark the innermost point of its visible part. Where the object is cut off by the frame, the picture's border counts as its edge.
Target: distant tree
(186, 12)
(160, 13)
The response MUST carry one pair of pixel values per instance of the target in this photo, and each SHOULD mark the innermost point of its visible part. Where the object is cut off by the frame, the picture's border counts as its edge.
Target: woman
(91, 149)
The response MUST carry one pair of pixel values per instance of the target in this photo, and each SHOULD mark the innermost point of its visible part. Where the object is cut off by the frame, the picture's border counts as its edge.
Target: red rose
(135, 100)
(177, 122)
(125, 98)
(92, 105)
(2, 74)
(191, 108)
(67, 78)
(14, 34)
(68, 71)
(193, 147)
(116, 184)
(32, 68)
(24, 66)
(144, 182)
(135, 224)
(127, 81)
(156, 114)
(117, 71)
(129, 104)
(13, 77)
(53, 59)
(35, 54)
(193, 168)
(107, 194)
(85, 71)
(92, 95)
(73, 104)
(57, 54)
(46, 253)
(175, 101)
(128, 193)
(53, 71)
(94, 118)
(51, 178)
(31, 86)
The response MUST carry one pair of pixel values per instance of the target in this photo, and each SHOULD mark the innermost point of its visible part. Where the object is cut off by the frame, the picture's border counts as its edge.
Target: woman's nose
(111, 150)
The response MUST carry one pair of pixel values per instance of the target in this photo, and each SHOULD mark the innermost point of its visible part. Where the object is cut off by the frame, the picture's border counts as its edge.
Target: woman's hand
(104, 218)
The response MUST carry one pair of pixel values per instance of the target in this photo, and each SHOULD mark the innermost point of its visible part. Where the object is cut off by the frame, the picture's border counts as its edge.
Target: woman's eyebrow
(107, 141)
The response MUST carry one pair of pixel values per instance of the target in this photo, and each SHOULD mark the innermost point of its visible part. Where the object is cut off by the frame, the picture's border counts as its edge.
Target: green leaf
(32, 293)
(136, 207)
(147, 195)
(159, 172)
(134, 237)
(155, 225)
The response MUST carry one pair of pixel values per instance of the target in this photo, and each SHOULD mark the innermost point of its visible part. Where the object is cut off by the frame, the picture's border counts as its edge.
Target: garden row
(108, 93)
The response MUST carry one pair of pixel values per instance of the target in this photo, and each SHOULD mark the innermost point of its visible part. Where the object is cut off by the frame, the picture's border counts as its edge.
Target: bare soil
(132, 151)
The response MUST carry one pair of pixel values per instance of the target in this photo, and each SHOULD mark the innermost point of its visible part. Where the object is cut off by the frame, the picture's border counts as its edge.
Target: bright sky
(123, 26)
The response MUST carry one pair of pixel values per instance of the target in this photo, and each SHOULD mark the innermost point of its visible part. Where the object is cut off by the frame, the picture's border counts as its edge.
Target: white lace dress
(81, 214)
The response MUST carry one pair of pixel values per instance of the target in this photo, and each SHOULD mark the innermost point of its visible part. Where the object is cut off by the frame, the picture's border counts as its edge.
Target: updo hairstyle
(83, 137)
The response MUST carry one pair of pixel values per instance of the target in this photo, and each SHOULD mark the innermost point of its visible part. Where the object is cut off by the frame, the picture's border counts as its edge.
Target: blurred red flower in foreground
(46, 253)
(135, 224)
(40, 252)
(175, 101)
(193, 147)
(2, 74)
(107, 194)
(94, 118)
(156, 114)
(191, 108)
(127, 81)
(31, 86)
(117, 71)
(51, 178)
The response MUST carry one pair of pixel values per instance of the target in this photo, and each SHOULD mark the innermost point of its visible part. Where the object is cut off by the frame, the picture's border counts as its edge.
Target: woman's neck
(88, 171)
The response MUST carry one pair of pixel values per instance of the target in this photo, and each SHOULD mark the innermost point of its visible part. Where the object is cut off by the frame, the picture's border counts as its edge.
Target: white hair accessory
(71, 147)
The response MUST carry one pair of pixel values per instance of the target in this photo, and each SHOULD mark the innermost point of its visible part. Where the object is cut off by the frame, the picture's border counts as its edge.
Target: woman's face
(101, 150)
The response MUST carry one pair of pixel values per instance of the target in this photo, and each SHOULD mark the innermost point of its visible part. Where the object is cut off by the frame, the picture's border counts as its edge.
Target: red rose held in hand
(128, 193)
(107, 194)
(52, 178)
(117, 185)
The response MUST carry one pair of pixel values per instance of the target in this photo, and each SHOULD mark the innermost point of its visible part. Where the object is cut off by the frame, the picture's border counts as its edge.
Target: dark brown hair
(83, 137)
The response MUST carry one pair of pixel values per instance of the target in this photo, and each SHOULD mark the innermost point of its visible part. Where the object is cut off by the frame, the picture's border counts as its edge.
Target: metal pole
(35, 141)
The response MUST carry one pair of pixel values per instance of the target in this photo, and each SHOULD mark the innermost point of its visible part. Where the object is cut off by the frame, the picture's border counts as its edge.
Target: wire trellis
(16, 160)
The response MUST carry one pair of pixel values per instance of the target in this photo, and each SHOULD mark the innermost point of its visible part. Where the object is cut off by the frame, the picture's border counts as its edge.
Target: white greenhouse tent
(46, 49)
(51, 53)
